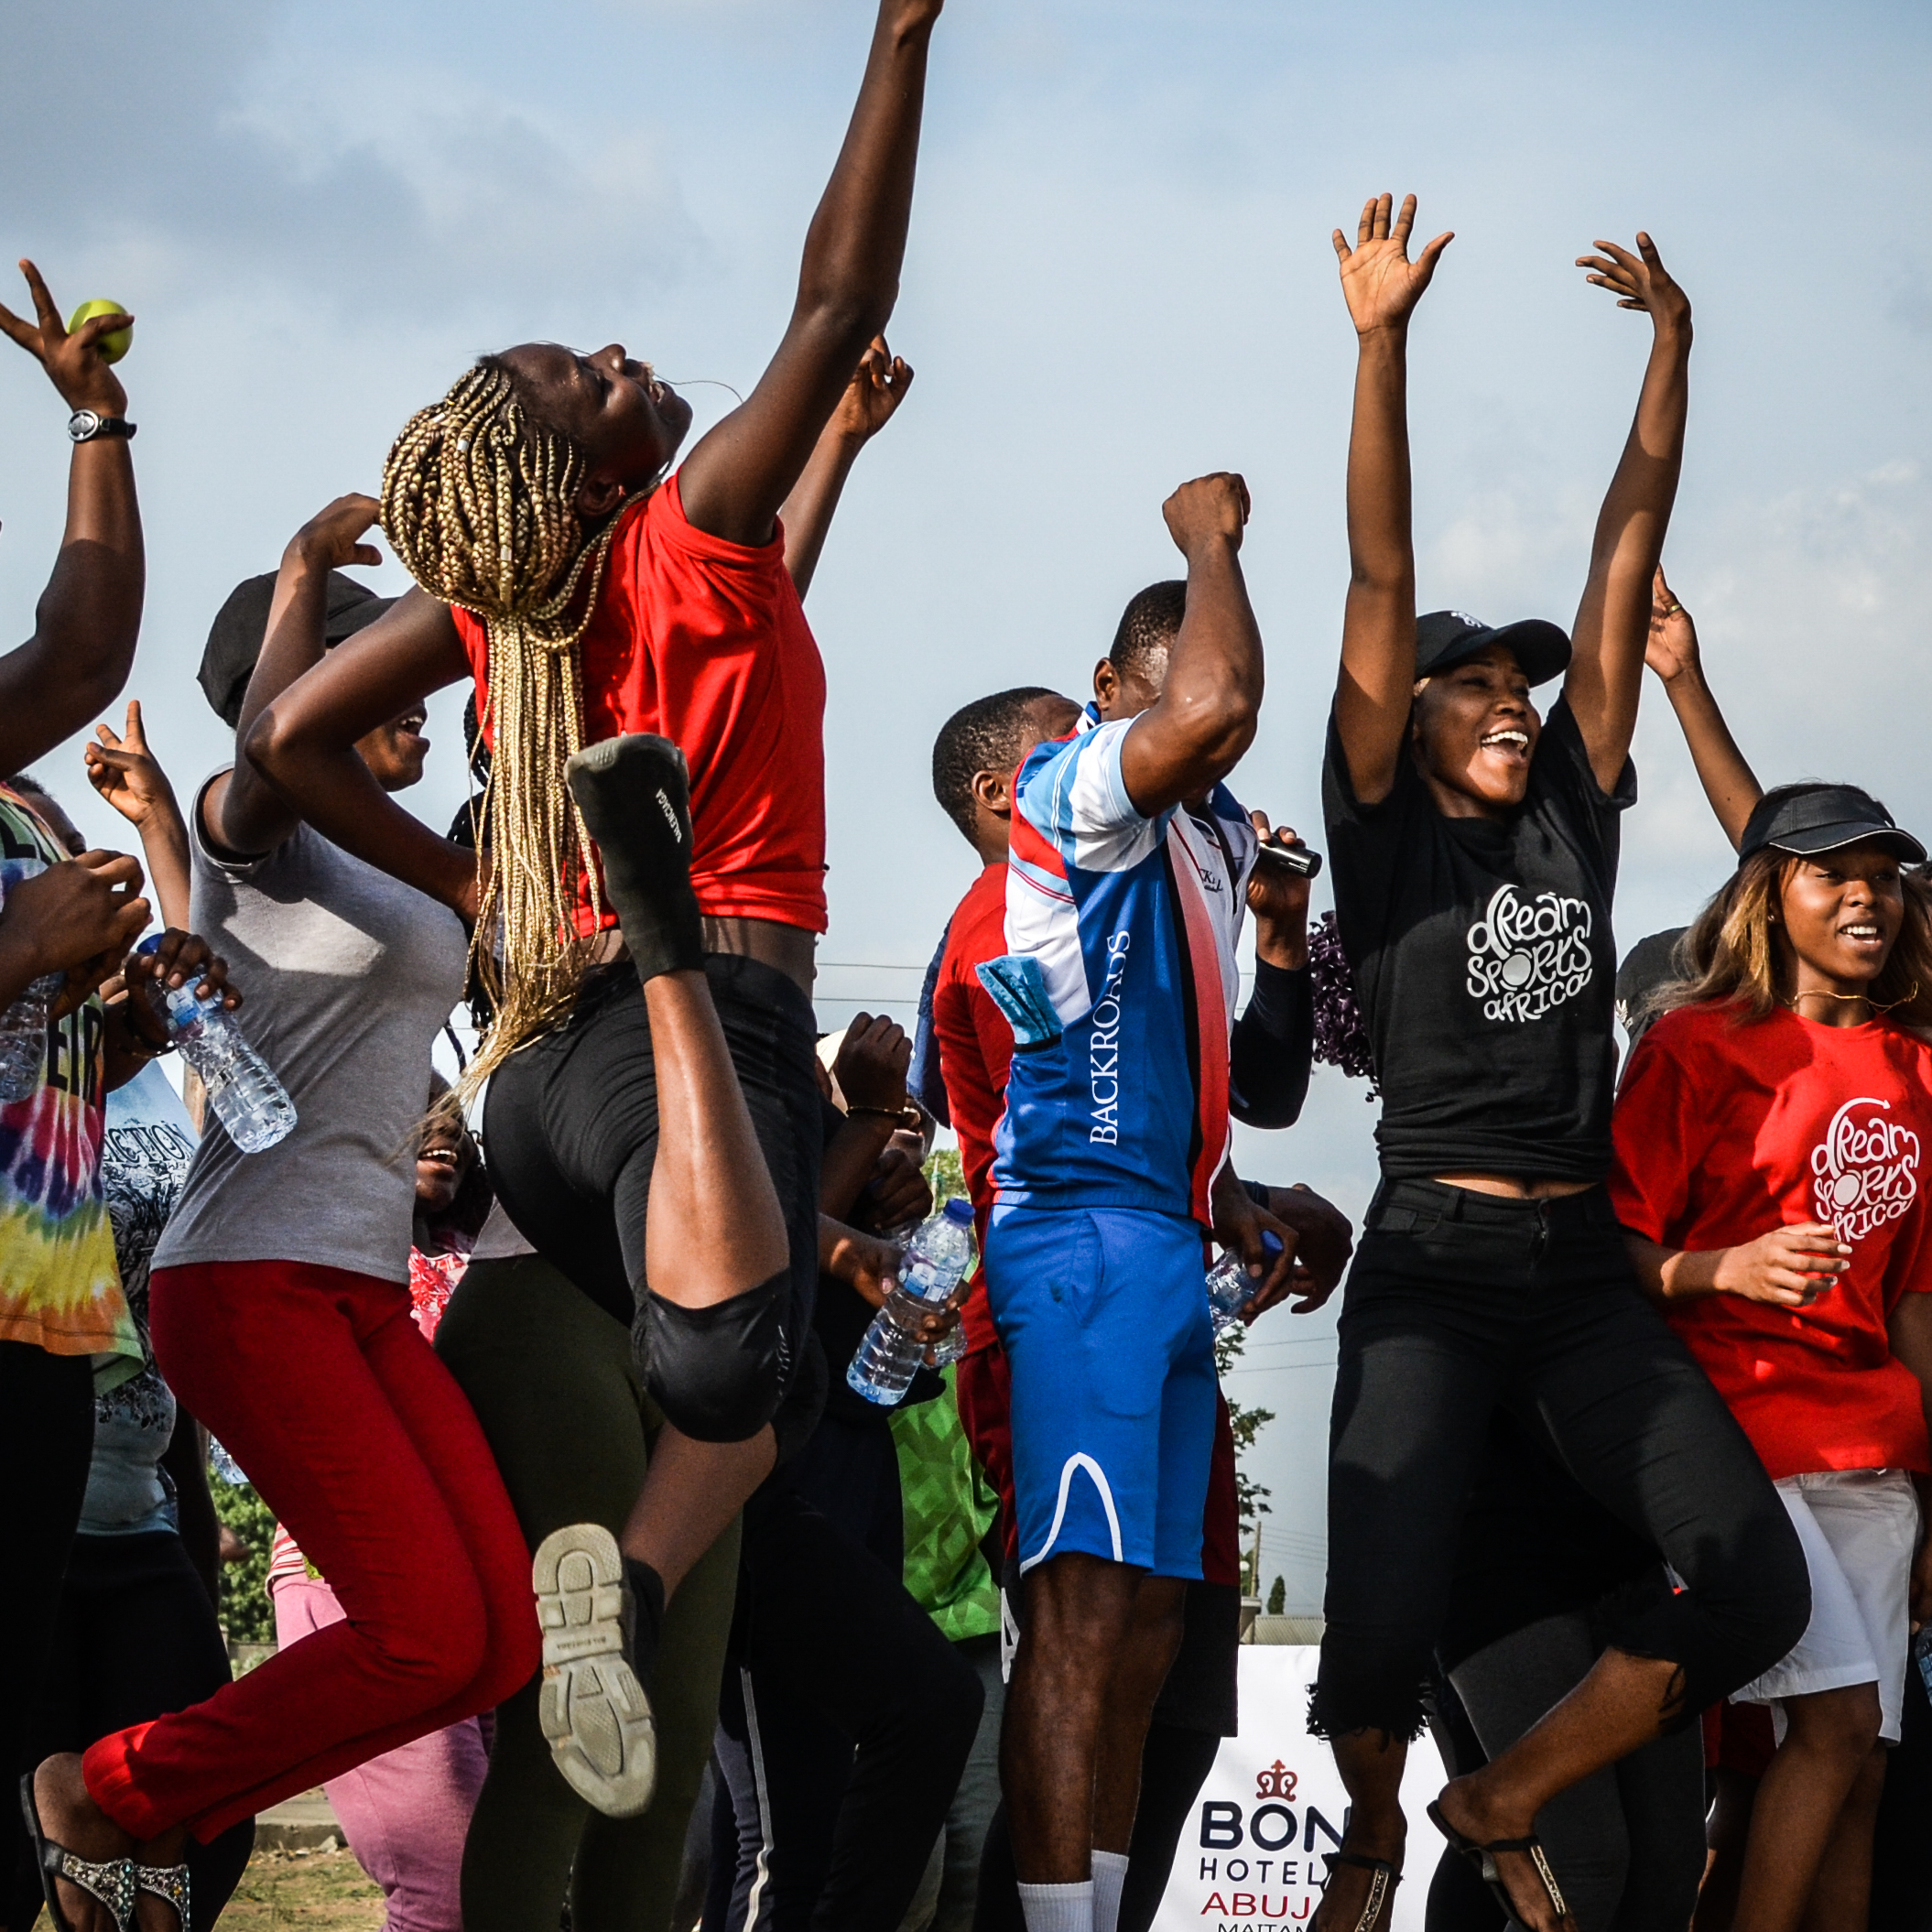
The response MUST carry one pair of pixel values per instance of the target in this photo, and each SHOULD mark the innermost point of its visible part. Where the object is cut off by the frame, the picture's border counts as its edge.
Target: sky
(1119, 276)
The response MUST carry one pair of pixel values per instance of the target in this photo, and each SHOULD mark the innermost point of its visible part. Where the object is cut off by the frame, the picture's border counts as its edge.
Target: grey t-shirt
(348, 975)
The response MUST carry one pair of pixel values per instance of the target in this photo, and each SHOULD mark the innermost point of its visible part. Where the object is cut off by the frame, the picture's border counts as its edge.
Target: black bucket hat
(1446, 638)
(1810, 819)
(235, 639)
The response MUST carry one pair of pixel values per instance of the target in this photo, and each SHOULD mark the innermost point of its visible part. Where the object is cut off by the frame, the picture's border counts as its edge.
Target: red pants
(355, 1434)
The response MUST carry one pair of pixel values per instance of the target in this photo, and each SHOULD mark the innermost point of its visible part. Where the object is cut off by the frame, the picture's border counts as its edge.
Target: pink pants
(406, 1812)
(360, 1440)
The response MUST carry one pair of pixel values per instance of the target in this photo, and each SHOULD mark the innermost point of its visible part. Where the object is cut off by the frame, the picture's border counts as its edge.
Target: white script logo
(1525, 957)
(1103, 1048)
(1864, 1171)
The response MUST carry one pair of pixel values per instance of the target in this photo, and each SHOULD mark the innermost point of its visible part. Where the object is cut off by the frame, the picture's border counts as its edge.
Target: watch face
(82, 424)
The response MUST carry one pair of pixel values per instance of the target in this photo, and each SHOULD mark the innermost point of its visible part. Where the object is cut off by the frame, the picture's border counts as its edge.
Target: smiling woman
(1475, 848)
(1770, 1136)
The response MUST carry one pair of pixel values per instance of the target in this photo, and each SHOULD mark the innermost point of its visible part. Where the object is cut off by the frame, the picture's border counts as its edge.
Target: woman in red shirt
(1770, 1138)
(655, 825)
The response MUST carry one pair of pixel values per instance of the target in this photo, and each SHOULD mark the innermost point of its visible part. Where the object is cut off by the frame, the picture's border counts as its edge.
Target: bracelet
(899, 1115)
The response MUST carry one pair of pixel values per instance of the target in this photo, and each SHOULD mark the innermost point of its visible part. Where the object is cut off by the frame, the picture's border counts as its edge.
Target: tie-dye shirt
(59, 1289)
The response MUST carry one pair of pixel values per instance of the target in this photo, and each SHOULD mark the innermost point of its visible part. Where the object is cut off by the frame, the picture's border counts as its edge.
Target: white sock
(1110, 1879)
(1061, 1908)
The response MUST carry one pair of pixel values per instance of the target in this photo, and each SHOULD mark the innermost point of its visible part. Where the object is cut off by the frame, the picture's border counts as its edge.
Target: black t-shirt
(1484, 964)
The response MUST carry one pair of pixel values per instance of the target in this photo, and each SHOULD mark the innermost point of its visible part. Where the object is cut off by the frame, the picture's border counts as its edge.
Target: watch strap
(102, 426)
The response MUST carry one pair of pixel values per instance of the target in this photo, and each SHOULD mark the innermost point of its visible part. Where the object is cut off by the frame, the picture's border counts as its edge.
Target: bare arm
(1376, 689)
(1672, 653)
(1193, 735)
(734, 481)
(89, 614)
(875, 391)
(1606, 666)
(129, 777)
(304, 744)
(1790, 1267)
(243, 812)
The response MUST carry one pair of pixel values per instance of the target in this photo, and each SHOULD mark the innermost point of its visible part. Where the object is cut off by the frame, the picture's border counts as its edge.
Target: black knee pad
(717, 1373)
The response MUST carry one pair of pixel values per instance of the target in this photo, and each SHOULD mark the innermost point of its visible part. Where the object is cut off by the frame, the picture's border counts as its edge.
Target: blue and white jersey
(1125, 927)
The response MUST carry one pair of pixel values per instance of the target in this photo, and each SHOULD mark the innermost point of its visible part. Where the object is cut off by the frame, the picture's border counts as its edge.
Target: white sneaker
(592, 1708)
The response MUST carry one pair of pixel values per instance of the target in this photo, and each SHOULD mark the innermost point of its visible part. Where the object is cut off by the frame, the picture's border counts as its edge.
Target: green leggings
(550, 1377)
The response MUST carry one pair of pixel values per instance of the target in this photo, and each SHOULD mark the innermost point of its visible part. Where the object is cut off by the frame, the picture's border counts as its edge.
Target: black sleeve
(1272, 1045)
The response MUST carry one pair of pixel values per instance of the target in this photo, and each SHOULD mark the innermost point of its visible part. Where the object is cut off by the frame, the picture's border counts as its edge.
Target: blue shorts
(1104, 1320)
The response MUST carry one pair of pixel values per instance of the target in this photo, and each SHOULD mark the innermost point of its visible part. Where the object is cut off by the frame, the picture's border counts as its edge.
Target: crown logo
(1276, 1780)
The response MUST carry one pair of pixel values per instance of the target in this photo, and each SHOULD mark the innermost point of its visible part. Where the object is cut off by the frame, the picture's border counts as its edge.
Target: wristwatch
(84, 426)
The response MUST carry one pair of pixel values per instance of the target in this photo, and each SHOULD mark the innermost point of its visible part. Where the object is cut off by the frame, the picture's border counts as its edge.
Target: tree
(1277, 1596)
(1251, 1498)
(246, 1613)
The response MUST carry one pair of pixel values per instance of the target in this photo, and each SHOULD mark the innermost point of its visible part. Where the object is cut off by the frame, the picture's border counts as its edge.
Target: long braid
(479, 500)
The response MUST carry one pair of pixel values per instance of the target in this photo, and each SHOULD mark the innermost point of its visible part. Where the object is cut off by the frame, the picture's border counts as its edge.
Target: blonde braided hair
(479, 500)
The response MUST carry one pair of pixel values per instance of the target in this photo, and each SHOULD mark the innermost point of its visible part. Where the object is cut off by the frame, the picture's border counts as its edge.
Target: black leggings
(844, 1723)
(135, 1637)
(47, 1435)
(1458, 1302)
(1628, 1843)
(571, 1127)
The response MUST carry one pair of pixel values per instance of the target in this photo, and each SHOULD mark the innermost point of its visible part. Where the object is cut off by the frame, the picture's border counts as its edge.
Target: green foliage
(944, 1175)
(1277, 1596)
(1251, 1497)
(246, 1610)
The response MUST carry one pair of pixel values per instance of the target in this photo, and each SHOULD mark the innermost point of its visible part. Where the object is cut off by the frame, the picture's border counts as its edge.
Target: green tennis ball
(117, 342)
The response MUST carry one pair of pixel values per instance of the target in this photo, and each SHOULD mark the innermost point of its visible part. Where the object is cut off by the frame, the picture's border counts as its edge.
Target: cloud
(377, 192)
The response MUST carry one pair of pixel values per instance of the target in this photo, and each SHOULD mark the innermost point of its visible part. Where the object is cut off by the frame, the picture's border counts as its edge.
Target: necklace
(1853, 999)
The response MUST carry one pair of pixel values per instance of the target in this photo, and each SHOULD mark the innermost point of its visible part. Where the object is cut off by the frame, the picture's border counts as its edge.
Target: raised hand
(1639, 281)
(1671, 650)
(877, 388)
(331, 537)
(73, 362)
(1209, 506)
(1379, 282)
(1277, 898)
(124, 771)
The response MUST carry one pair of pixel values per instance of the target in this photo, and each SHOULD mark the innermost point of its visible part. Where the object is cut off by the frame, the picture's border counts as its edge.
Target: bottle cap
(152, 943)
(1270, 1243)
(959, 1211)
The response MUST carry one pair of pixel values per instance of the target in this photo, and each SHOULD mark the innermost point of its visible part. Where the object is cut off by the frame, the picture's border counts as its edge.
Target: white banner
(1250, 1856)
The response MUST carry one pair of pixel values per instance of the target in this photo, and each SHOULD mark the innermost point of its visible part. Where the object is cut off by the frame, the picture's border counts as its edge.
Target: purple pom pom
(1340, 1038)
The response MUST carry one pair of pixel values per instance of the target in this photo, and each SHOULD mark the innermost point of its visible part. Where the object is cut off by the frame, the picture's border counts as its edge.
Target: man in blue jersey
(1127, 871)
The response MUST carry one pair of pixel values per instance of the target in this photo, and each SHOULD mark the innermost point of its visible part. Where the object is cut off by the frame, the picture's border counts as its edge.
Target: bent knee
(1843, 1724)
(718, 1374)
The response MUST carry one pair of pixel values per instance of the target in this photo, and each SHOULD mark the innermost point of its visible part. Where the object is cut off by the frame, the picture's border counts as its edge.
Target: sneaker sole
(593, 1710)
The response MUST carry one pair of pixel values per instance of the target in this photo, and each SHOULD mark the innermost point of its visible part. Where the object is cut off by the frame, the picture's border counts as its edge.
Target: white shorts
(1860, 1530)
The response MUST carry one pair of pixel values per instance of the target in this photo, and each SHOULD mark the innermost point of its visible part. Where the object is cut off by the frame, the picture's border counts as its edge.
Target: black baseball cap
(1445, 638)
(236, 638)
(1810, 818)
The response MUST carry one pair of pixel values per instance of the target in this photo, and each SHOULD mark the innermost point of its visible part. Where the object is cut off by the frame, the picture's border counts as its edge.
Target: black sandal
(1387, 1876)
(111, 1881)
(1484, 1857)
(166, 1881)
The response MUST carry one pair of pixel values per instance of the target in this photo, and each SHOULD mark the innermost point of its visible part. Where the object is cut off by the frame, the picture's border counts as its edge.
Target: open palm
(1379, 282)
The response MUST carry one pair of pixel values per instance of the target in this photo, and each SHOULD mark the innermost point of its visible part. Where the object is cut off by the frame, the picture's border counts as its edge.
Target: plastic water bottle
(247, 1099)
(1230, 1285)
(937, 1258)
(23, 1038)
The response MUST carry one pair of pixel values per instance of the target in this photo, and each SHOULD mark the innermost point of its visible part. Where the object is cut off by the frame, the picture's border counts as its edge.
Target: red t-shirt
(705, 643)
(975, 1047)
(1724, 1132)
